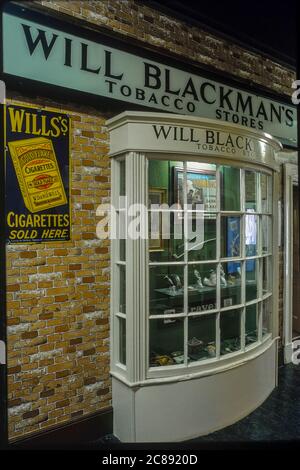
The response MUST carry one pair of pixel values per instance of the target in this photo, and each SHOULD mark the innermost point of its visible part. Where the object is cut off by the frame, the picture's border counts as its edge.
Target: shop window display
(207, 287)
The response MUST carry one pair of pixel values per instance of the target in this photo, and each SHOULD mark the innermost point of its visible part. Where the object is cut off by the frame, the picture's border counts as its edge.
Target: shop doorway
(291, 260)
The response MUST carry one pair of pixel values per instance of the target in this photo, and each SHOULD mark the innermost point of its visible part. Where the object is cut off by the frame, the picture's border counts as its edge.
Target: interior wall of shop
(58, 293)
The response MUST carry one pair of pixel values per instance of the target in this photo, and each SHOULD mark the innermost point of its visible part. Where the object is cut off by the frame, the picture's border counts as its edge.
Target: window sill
(203, 369)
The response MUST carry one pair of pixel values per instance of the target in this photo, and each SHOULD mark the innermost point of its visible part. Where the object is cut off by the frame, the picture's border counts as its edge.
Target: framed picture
(157, 196)
(200, 188)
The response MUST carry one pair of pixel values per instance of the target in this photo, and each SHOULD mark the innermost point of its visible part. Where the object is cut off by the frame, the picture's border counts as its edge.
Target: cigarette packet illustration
(38, 173)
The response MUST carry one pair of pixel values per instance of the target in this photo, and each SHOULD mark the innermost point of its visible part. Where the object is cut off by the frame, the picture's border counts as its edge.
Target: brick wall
(58, 293)
(136, 20)
(58, 300)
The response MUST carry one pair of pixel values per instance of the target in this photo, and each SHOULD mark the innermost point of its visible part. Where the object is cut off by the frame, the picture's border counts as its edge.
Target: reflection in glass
(166, 290)
(166, 342)
(166, 236)
(201, 236)
(165, 182)
(265, 184)
(266, 274)
(230, 280)
(230, 326)
(202, 337)
(122, 290)
(266, 223)
(251, 279)
(230, 188)
(251, 332)
(251, 231)
(250, 190)
(202, 281)
(266, 317)
(230, 236)
(122, 340)
(201, 186)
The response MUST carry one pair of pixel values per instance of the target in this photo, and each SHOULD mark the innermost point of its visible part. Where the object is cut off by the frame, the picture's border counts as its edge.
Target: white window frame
(137, 288)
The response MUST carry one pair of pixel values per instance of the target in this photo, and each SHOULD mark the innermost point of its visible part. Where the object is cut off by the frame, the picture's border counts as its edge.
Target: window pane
(266, 317)
(230, 284)
(251, 279)
(201, 236)
(251, 231)
(166, 342)
(251, 333)
(166, 290)
(266, 275)
(122, 340)
(202, 287)
(122, 176)
(121, 233)
(202, 337)
(201, 186)
(230, 236)
(251, 190)
(122, 289)
(266, 195)
(190, 235)
(230, 188)
(230, 326)
(165, 182)
(166, 236)
(122, 250)
(266, 233)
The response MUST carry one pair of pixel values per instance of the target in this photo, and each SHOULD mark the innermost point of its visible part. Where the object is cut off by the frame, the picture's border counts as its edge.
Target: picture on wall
(200, 188)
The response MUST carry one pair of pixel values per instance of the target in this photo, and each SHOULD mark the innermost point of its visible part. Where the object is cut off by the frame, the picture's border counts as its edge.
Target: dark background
(265, 25)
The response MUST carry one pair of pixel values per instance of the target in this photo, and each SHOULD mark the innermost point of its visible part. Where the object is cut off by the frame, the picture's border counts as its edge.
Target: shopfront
(174, 332)
(193, 310)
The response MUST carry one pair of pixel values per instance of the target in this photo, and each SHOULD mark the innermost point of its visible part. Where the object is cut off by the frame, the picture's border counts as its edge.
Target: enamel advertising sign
(37, 175)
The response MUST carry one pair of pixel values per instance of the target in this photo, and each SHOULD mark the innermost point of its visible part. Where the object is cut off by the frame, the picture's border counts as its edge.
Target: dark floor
(277, 419)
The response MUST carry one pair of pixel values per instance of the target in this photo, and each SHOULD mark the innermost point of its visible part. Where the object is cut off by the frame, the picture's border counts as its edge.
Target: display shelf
(196, 289)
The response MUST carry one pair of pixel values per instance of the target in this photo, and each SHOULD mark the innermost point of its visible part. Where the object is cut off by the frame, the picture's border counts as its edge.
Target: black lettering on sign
(41, 37)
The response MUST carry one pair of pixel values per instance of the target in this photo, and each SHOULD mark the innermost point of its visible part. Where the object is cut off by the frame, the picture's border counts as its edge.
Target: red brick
(61, 298)
(88, 279)
(13, 287)
(47, 393)
(103, 391)
(75, 341)
(75, 267)
(89, 352)
(62, 403)
(46, 316)
(29, 334)
(62, 373)
(28, 254)
(31, 414)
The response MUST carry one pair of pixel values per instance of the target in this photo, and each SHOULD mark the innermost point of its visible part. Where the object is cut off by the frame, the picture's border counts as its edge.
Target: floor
(278, 419)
